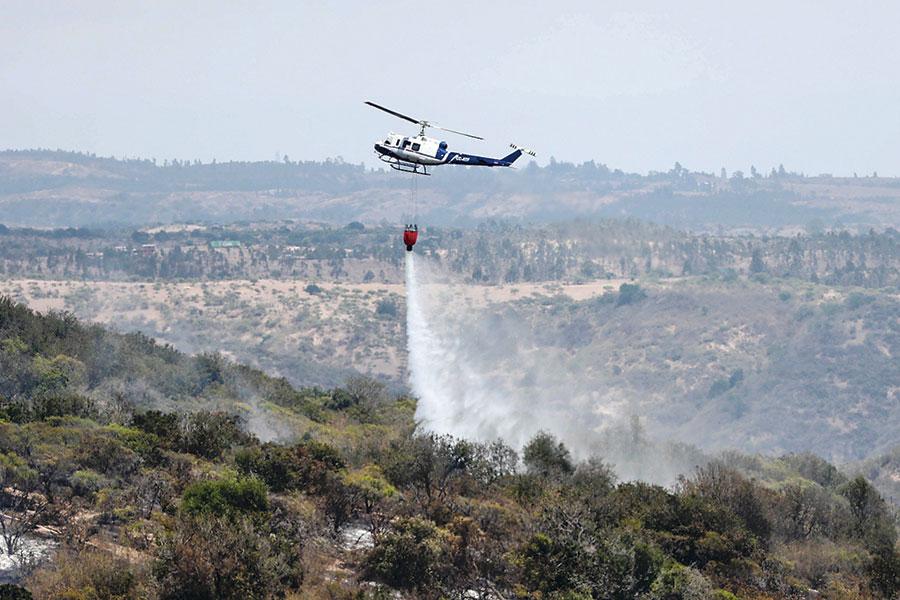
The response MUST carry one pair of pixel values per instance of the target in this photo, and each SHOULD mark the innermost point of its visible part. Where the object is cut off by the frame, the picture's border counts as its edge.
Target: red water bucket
(410, 235)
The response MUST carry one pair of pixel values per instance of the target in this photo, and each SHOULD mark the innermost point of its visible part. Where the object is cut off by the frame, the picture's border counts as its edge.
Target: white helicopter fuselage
(419, 149)
(415, 154)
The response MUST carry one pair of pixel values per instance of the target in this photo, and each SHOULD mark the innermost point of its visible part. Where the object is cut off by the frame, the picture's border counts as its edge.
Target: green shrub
(209, 434)
(677, 582)
(229, 496)
(208, 558)
(86, 482)
(884, 572)
(302, 466)
(386, 308)
(630, 294)
(412, 555)
(86, 575)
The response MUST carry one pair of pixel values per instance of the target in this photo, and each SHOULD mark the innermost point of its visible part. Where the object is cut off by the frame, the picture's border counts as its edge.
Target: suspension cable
(411, 204)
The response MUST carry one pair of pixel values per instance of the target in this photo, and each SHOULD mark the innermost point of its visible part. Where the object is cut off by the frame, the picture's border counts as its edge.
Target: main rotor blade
(419, 122)
(395, 113)
(454, 131)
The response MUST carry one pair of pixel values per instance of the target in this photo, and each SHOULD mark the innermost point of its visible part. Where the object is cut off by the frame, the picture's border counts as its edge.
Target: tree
(757, 265)
(209, 434)
(871, 520)
(727, 488)
(165, 426)
(366, 392)
(493, 462)
(803, 511)
(546, 457)
(593, 480)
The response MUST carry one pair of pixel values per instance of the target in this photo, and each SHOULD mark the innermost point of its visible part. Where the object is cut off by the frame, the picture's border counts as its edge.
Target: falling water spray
(427, 358)
(459, 391)
(487, 372)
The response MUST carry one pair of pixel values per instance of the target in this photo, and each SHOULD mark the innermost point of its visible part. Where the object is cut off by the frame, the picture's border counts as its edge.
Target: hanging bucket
(410, 235)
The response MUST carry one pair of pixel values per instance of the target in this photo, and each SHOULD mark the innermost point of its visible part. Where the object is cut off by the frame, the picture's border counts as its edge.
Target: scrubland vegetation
(141, 462)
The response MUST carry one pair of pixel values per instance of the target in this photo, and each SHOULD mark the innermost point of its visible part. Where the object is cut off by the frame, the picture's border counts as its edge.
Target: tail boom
(471, 160)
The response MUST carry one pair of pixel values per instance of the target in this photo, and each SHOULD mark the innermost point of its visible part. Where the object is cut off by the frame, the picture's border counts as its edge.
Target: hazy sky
(636, 85)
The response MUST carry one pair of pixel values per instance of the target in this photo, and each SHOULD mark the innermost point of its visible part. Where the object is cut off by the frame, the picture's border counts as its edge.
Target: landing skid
(406, 167)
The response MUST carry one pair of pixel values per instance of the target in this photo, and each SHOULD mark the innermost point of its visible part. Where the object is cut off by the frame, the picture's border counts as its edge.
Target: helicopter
(415, 154)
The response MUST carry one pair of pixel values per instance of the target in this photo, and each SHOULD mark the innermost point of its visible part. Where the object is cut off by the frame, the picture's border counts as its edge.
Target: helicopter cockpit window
(416, 147)
(387, 142)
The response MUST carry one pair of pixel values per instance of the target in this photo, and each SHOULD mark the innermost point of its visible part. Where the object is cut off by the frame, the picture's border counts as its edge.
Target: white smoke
(484, 371)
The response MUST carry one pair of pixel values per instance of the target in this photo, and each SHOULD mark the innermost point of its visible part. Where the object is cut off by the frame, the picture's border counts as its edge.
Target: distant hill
(771, 366)
(755, 342)
(54, 188)
(491, 253)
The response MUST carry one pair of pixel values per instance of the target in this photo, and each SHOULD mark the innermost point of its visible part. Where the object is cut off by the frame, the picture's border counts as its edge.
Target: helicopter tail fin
(517, 152)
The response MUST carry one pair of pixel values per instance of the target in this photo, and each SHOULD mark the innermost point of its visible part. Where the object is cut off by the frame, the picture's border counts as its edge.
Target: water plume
(478, 373)
(485, 371)
(453, 395)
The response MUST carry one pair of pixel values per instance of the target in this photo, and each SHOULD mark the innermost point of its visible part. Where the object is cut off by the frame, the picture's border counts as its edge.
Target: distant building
(148, 249)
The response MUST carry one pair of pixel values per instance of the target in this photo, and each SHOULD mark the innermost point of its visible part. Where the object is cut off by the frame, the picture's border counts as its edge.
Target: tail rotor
(527, 151)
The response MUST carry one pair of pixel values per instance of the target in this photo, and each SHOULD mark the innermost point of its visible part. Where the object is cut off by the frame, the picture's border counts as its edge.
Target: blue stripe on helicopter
(482, 161)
